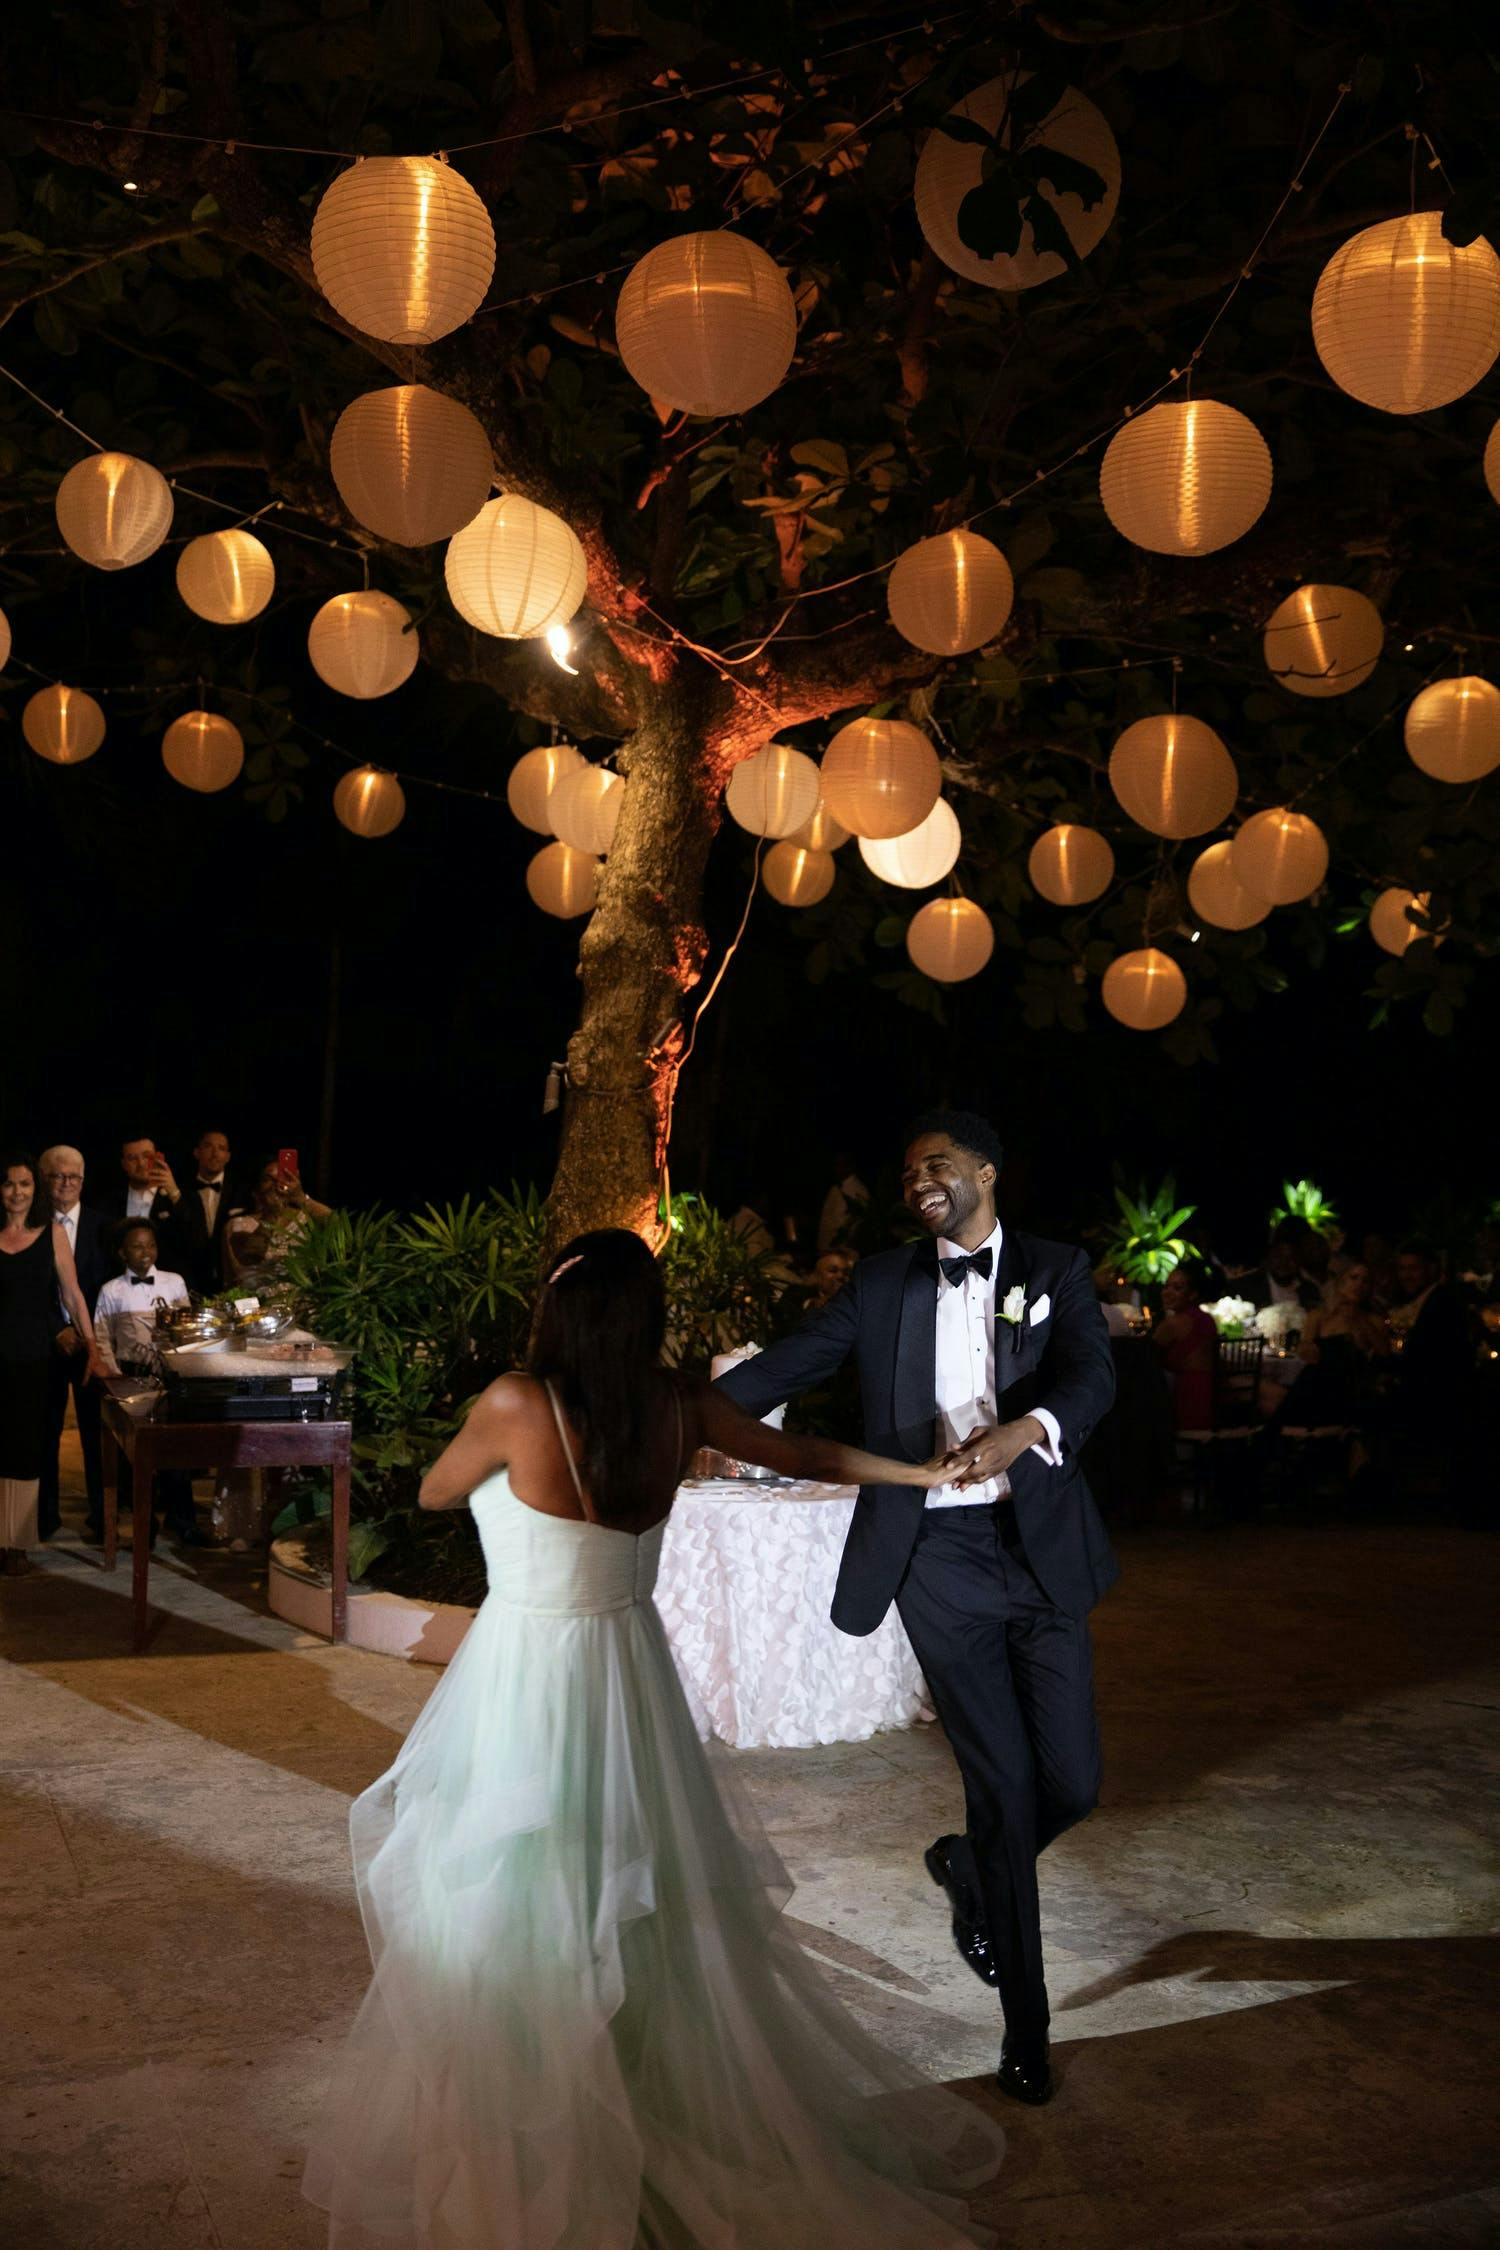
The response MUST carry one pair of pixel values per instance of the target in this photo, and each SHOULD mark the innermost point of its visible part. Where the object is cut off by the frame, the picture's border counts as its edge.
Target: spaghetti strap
(567, 1446)
(679, 1464)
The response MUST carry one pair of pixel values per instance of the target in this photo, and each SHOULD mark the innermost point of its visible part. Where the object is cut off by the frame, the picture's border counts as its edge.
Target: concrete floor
(1273, 1987)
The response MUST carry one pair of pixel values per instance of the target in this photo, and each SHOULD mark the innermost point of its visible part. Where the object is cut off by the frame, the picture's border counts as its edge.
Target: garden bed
(299, 1587)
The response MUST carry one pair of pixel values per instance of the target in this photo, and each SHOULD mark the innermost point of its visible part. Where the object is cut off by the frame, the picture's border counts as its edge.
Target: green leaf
(366, 1542)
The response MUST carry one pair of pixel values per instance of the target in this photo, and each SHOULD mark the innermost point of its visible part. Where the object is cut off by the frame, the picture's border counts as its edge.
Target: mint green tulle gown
(586, 2029)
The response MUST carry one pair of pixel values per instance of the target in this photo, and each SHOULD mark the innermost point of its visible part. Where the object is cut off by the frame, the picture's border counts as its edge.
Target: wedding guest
(1434, 1375)
(845, 1203)
(203, 1213)
(752, 1223)
(87, 1231)
(150, 1191)
(1114, 1301)
(125, 1319)
(1339, 1346)
(1379, 1261)
(1188, 1342)
(36, 1269)
(830, 1275)
(1280, 1279)
(256, 1241)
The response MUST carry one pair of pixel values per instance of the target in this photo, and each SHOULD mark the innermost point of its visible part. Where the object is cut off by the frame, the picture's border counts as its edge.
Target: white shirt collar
(992, 1242)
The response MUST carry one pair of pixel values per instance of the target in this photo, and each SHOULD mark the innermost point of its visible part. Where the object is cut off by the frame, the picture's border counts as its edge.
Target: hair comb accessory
(566, 1267)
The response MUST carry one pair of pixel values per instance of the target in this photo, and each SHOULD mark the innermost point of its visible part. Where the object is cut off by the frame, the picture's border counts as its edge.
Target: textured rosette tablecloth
(747, 1574)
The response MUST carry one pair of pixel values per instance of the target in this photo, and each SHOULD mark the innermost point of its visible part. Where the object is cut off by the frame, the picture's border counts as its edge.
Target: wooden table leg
(340, 1548)
(110, 1459)
(142, 1487)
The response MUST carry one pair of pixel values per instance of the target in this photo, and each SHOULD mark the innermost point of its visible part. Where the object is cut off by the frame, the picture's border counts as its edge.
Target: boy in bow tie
(125, 1323)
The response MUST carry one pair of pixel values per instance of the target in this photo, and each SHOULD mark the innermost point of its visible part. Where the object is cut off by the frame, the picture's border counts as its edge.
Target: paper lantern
(1323, 640)
(1173, 775)
(1492, 462)
(822, 833)
(948, 169)
(563, 881)
(1217, 895)
(881, 777)
(226, 577)
(1070, 865)
(1389, 926)
(1186, 477)
(515, 570)
(362, 644)
(1279, 856)
(1453, 729)
(916, 861)
(370, 802)
(411, 464)
(403, 249)
(4, 640)
(707, 323)
(796, 875)
(951, 593)
(775, 792)
(113, 510)
(1144, 989)
(533, 779)
(63, 725)
(585, 808)
(203, 751)
(950, 939)
(1405, 320)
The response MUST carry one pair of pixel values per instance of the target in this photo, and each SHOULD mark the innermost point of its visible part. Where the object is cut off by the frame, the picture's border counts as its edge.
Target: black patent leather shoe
(969, 1934)
(1025, 2074)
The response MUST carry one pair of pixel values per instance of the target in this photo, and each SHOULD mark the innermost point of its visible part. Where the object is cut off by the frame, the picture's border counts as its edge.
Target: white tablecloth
(746, 1580)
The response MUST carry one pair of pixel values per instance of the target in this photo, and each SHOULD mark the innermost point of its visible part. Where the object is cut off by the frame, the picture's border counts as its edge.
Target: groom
(989, 1346)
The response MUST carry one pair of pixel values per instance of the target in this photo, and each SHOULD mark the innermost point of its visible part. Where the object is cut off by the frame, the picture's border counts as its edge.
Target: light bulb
(560, 647)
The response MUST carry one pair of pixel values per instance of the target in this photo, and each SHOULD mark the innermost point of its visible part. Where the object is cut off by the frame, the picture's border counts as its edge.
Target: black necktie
(978, 1261)
(143, 1281)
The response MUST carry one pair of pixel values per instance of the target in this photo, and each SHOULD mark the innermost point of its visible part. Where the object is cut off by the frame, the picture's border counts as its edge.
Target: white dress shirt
(1284, 1292)
(209, 1192)
(68, 1221)
(139, 1202)
(966, 1393)
(125, 1316)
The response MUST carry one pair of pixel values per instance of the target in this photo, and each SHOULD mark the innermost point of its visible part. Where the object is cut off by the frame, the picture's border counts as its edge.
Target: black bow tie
(143, 1281)
(977, 1261)
(211, 1183)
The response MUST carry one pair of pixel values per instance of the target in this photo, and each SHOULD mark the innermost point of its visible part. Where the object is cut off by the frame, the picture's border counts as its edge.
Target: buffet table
(747, 1574)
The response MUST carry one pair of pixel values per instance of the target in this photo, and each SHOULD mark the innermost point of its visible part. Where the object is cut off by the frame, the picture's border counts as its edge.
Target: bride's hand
(939, 1470)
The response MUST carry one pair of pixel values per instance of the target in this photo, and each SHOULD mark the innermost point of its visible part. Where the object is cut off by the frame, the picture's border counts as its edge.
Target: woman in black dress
(37, 1278)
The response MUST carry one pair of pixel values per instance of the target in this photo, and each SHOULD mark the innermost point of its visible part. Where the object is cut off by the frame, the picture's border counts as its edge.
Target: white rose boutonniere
(1013, 1306)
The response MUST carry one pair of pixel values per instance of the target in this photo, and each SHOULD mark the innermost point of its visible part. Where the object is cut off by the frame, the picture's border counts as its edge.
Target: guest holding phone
(256, 1240)
(151, 1193)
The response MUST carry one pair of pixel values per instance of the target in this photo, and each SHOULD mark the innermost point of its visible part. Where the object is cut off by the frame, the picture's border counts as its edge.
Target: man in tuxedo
(990, 1343)
(1280, 1280)
(150, 1192)
(87, 1230)
(201, 1213)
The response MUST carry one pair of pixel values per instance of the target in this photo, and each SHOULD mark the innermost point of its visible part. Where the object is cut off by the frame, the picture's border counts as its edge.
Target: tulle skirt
(586, 2029)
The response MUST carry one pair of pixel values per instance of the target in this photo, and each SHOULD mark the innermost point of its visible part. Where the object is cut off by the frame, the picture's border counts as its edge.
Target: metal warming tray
(298, 1381)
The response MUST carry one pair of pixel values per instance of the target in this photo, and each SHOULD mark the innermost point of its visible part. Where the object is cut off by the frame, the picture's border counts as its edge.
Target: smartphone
(287, 1167)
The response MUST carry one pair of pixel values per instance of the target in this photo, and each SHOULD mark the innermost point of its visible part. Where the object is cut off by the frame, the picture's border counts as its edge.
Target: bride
(586, 2029)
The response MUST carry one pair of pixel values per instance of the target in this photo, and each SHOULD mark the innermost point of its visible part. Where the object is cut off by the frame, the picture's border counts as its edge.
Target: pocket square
(1040, 1309)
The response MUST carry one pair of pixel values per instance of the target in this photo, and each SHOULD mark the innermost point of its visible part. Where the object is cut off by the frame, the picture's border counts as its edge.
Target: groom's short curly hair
(965, 1128)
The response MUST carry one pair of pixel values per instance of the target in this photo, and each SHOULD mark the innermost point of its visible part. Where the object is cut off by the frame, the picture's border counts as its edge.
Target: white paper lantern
(1405, 320)
(951, 593)
(1389, 925)
(1173, 775)
(775, 792)
(532, 780)
(369, 802)
(1145, 989)
(403, 249)
(1492, 462)
(114, 510)
(950, 939)
(515, 570)
(916, 861)
(1453, 729)
(203, 750)
(585, 807)
(1217, 895)
(226, 577)
(881, 777)
(1186, 477)
(63, 725)
(948, 169)
(1323, 640)
(4, 640)
(363, 644)
(707, 323)
(796, 875)
(1279, 856)
(411, 464)
(822, 833)
(563, 882)
(1070, 864)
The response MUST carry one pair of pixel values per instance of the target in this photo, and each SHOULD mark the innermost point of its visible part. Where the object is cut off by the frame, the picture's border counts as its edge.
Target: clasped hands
(985, 1454)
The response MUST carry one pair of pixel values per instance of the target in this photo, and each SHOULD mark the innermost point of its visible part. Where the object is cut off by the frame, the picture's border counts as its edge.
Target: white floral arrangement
(1278, 1323)
(1231, 1315)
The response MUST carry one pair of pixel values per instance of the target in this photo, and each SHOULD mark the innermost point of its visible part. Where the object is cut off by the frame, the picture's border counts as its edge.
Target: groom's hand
(989, 1453)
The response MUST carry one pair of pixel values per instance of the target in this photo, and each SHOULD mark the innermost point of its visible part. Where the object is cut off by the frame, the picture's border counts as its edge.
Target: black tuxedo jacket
(202, 1251)
(95, 1258)
(887, 1316)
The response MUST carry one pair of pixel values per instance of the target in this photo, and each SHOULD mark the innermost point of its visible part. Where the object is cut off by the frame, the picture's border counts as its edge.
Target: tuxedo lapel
(915, 1393)
(1014, 1350)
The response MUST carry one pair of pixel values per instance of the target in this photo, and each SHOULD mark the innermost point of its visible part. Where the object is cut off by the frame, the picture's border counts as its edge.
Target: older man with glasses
(87, 1229)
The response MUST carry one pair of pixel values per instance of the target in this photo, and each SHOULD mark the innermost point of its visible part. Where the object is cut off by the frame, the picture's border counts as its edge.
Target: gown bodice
(558, 1566)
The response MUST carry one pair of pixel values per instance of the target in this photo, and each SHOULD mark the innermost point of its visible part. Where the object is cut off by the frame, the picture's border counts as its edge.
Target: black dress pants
(69, 1375)
(1013, 1681)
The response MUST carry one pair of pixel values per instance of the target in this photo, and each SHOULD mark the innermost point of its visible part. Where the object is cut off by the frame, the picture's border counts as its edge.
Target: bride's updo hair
(598, 1342)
